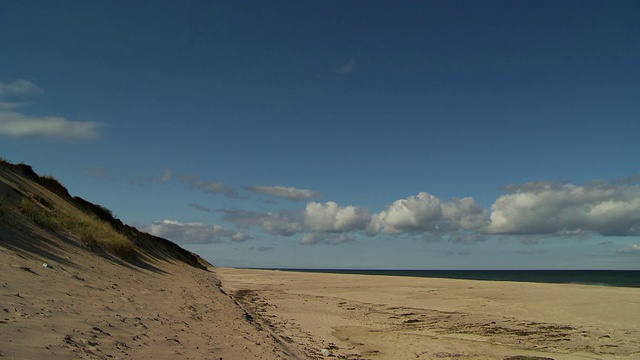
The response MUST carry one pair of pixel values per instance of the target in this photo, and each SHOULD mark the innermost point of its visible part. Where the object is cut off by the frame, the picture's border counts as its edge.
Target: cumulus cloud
(209, 187)
(16, 124)
(281, 223)
(329, 239)
(194, 233)
(290, 193)
(555, 208)
(633, 249)
(413, 214)
(463, 214)
(531, 211)
(330, 217)
(426, 213)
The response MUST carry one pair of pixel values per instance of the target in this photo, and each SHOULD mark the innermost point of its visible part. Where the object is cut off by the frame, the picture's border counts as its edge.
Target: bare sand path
(382, 317)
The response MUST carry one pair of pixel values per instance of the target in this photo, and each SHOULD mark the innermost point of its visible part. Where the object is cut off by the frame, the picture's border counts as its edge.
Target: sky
(340, 134)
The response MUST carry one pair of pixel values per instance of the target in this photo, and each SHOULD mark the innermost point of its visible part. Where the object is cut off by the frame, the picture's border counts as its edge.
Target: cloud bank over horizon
(534, 208)
(537, 208)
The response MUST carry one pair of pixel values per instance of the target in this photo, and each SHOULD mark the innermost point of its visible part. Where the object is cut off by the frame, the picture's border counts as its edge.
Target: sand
(85, 307)
(383, 317)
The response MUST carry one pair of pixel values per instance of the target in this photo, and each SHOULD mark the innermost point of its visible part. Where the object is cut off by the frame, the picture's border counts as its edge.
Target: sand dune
(93, 301)
(100, 310)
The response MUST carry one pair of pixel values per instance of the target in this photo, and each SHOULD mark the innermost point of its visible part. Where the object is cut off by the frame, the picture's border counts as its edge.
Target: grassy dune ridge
(48, 204)
(52, 214)
(90, 230)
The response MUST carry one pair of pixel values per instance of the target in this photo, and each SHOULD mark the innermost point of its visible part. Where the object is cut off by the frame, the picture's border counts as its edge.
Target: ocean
(622, 278)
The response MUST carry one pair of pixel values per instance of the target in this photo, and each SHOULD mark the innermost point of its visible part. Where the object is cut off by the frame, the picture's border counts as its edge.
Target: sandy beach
(382, 317)
(76, 283)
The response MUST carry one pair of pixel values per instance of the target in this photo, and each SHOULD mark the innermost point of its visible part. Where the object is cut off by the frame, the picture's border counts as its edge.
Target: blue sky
(340, 134)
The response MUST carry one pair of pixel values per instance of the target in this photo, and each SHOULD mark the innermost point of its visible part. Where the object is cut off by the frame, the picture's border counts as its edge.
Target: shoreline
(613, 278)
(393, 317)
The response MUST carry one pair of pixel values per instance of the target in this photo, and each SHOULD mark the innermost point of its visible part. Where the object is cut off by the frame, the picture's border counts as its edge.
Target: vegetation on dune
(93, 225)
(94, 232)
(38, 213)
(91, 231)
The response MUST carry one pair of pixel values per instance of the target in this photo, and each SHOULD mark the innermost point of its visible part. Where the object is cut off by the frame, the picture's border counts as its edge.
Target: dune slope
(107, 291)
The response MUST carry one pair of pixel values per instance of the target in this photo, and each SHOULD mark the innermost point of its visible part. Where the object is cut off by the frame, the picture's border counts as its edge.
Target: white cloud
(565, 209)
(536, 208)
(427, 213)
(330, 239)
(463, 214)
(239, 236)
(19, 88)
(329, 217)
(283, 223)
(19, 125)
(633, 249)
(290, 193)
(194, 233)
(210, 187)
(413, 214)
(529, 211)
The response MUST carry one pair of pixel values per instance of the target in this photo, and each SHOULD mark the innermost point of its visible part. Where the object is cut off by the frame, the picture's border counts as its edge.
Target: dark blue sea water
(625, 278)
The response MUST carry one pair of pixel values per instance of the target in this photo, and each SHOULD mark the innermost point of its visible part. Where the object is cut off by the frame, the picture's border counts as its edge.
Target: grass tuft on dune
(91, 231)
